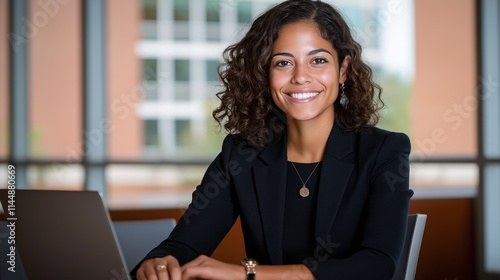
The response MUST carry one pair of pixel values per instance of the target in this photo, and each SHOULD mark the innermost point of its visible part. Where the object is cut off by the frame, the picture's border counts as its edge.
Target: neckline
(304, 163)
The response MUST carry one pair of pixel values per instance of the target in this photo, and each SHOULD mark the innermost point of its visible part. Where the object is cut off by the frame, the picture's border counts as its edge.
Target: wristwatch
(250, 267)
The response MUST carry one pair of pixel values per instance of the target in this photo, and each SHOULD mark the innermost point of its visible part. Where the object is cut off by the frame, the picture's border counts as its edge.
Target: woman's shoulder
(374, 131)
(235, 146)
(384, 137)
(233, 140)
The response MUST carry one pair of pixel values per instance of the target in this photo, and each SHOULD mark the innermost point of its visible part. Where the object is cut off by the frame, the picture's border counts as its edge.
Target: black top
(298, 228)
(363, 195)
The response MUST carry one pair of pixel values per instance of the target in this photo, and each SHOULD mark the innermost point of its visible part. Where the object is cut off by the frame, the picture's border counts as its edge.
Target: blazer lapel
(271, 187)
(335, 173)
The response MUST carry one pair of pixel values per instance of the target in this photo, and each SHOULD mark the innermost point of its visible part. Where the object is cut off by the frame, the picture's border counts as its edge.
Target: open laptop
(63, 235)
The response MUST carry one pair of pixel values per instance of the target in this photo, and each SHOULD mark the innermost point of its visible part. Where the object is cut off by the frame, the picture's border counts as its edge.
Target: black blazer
(362, 206)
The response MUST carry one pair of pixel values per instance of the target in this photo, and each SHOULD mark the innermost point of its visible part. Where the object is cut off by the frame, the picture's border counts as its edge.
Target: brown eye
(282, 63)
(319, 60)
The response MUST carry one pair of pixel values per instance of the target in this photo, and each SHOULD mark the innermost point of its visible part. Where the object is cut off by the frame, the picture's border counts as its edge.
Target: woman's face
(305, 73)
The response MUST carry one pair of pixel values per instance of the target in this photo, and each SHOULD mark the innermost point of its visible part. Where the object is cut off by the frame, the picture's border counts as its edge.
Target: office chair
(407, 266)
(137, 238)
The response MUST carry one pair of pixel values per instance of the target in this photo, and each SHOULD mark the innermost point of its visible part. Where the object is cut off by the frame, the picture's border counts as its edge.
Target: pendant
(304, 192)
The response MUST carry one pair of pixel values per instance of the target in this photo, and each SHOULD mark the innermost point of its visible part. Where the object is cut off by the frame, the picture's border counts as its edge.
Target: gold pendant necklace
(304, 191)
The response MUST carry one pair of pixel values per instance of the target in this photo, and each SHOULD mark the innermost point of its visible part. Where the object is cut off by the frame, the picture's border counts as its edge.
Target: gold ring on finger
(160, 267)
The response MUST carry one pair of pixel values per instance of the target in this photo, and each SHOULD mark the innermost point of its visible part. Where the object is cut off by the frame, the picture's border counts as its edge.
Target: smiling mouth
(304, 95)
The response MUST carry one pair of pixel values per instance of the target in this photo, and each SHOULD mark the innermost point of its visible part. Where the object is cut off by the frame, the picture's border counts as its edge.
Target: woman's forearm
(283, 272)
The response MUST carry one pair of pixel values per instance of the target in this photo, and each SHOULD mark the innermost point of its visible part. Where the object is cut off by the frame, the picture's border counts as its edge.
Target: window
(4, 91)
(244, 11)
(181, 10)
(4, 82)
(151, 133)
(158, 132)
(149, 9)
(161, 90)
(46, 108)
(212, 10)
(443, 119)
(211, 70)
(182, 132)
(54, 97)
(182, 78)
(488, 102)
(150, 70)
(150, 79)
(182, 70)
(149, 16)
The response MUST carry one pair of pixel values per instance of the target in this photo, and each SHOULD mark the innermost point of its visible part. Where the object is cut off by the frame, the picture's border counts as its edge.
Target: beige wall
(4, 78)
(444, 101)
(55, 79)
(124, 78)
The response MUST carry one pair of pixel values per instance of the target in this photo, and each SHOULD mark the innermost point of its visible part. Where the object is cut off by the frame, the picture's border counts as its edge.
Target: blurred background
(117, 95)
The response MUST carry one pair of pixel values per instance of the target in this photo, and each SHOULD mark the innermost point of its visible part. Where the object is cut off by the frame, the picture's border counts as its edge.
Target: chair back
(137, 238)
(407, 266)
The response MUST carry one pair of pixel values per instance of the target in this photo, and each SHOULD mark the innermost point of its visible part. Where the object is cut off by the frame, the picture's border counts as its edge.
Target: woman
(321, 192)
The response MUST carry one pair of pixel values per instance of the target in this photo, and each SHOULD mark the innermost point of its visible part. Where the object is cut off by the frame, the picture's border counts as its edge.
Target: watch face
(250, 265)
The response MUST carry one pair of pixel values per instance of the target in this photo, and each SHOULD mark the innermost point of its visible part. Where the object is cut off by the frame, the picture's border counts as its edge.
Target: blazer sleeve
(197, 232)
(385, 218)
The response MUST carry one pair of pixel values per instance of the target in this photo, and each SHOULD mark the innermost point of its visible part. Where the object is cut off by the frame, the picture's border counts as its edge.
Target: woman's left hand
(207, 268)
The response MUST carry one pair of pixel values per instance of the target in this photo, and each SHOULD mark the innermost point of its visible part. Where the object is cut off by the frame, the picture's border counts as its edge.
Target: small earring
(344, 100)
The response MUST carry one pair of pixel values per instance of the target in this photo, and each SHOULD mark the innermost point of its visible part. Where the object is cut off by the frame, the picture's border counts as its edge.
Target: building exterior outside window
(183, 63)
(162, 59)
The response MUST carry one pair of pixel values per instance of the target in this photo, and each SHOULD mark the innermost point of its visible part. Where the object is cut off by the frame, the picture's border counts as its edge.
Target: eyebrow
(313, 52)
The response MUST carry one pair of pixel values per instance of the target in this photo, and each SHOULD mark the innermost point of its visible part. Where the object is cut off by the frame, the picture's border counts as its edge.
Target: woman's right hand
(166, 268)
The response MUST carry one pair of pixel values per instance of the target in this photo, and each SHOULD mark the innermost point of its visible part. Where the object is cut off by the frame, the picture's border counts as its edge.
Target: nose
(301, 74)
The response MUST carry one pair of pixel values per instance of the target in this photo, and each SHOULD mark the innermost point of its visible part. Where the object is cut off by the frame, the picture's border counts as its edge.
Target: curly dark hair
(246, 104)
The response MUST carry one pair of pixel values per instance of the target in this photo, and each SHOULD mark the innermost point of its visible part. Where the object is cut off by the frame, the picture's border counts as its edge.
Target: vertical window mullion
(490, 78)
(96, 124)
(19, 145)
(489, 139)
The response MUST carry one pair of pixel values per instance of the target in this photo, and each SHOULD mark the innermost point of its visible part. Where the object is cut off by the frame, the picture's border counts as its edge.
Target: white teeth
(304, 95)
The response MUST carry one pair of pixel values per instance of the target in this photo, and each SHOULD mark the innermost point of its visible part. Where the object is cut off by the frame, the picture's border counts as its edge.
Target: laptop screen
(64, 235)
